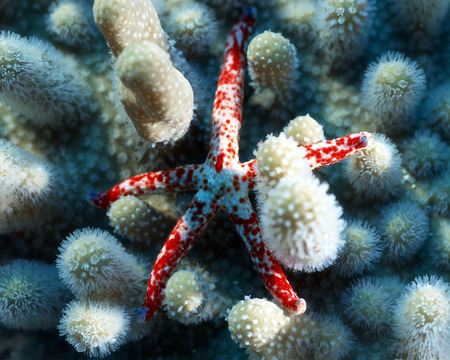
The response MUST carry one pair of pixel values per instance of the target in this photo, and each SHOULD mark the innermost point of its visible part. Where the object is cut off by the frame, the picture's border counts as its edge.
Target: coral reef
(364, 242)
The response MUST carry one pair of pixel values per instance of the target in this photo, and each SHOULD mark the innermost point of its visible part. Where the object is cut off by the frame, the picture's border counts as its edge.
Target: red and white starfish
(222, 182)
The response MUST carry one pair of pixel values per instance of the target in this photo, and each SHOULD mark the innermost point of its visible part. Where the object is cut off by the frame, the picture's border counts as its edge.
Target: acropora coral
(353, 258)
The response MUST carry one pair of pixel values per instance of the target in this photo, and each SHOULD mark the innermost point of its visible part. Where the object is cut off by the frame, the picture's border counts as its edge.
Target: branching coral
(71, 23)
(194, 28)
(392, 88)
(27, 189)
(361, 251)
(344, 27)
(278, 157)
(191, 296)
(375, 173)
(39, 81)
(304, 130)
(422, 19)
(156, 96)
(368, 306)
(301, 223)
(92, 263)
(270, 332)
(403, 227)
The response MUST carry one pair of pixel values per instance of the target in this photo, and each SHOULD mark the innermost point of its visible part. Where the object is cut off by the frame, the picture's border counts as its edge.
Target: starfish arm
(199, 211)
(247, 225)
(172, 180)
(329, 152)
(249, 171)
(227, 108)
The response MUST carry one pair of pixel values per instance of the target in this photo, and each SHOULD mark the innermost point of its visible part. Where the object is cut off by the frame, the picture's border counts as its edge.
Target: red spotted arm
(227, 108)
(178, 179)
(247, 225)
(200, 210)
(329, 152)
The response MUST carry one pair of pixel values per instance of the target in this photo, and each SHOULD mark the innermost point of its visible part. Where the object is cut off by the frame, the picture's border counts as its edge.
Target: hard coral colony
(365, 242)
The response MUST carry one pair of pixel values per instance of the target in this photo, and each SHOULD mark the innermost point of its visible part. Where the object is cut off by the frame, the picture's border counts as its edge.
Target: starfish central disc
(227, 183)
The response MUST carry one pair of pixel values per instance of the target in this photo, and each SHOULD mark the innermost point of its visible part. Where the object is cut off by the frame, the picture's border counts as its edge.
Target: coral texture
(301, 223)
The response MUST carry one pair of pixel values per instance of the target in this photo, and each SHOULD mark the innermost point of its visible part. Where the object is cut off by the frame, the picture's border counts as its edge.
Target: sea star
(222, 182)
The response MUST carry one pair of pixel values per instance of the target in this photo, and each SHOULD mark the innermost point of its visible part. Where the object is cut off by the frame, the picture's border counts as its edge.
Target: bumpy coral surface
(96, 328)
(422, 319)
(93, 92)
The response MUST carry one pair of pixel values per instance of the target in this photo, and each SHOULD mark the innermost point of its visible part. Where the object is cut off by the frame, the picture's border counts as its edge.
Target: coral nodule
(301, 223)
(31, 295)
(95, 328)
(93, 264)
(422, 319)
